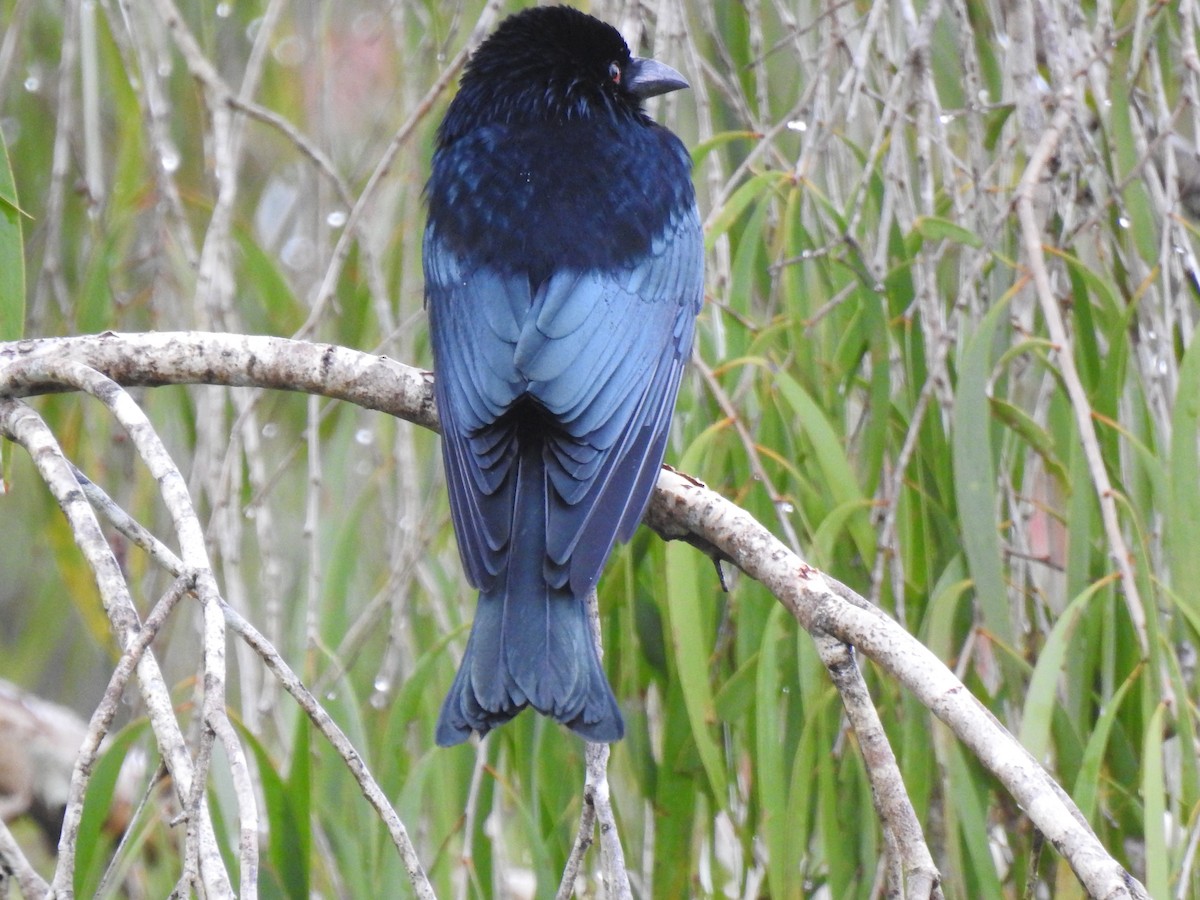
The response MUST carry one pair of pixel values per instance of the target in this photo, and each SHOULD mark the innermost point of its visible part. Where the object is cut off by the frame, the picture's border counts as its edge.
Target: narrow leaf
(974, 475)
(934, 228)
(12, 254)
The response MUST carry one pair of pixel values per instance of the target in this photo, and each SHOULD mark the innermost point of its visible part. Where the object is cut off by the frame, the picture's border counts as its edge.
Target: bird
(563, 259)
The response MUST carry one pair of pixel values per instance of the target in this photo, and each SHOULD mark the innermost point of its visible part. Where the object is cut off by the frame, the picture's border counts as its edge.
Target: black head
(554, 64)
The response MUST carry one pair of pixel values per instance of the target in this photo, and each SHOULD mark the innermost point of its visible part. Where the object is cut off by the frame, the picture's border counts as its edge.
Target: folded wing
(588, 363)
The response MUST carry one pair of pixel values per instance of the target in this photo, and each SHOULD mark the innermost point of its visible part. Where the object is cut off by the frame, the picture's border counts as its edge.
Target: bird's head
(554, 64)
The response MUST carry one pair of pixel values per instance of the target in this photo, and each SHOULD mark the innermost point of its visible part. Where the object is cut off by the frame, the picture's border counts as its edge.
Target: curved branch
(21, 424)
(155, 359)
(291, 682)
(681, 508)
(821, 604)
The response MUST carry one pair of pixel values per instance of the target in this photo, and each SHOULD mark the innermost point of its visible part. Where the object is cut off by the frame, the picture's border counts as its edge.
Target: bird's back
(563, 265)
(580, 195)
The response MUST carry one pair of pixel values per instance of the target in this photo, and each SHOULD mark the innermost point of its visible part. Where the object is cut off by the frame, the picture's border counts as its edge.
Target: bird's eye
(614, 73)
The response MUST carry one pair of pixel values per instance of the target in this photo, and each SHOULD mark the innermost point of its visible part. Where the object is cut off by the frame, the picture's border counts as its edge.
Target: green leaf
(741, 199)
(975, 475)
(691, 627)
(701, 150)
(691, 647)
(98, 804)
(736, 696)
(1041, 697)
(94, 307)
(748, 262)
(935, 228)
(1182, 526)
(287, 854)
(995, 124)
(771, 755)
(970, 804)
(295, 867)
(1035, 436)
(1091, 771)
(836, 471)
(1138, 219)
(12, 254)
(1154, 796)
(277, 309)
(1110, 306)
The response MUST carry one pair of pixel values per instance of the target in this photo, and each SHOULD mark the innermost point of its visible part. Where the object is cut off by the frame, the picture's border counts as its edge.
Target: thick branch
(191, 357)
(680, 507)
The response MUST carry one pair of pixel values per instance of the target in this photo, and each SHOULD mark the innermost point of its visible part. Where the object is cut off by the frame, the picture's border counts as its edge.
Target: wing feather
(601, 352)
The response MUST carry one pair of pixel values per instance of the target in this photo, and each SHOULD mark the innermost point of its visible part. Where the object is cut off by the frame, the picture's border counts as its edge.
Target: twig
(131, 33)
(20, 424)
(342, 250)
(106, 710)
(165, 557)
(243, 787)
(616, 875)
(310, 528)
(345, 749)
(918, 874)
(12, 39)
(13, 858)
(597, 807)
(1080, 405)
(307, 702)
(778, 503)
(463, 873)
(195, 556)
(585, 836)
(50, 275)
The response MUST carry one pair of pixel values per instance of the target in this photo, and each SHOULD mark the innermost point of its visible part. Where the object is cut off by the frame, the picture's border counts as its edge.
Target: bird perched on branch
(563, 265)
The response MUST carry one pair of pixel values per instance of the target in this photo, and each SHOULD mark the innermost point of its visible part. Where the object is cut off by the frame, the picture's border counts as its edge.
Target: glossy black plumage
(563, 266)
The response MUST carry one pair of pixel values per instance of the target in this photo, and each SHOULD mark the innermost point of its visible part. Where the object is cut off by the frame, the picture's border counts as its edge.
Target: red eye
(614, 73)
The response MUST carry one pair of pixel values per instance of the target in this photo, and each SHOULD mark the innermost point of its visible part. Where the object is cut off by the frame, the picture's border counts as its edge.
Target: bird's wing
(473, 332)
(602, 352)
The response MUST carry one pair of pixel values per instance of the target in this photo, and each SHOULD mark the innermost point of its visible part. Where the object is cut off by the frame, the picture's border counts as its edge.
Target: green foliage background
(874, 381)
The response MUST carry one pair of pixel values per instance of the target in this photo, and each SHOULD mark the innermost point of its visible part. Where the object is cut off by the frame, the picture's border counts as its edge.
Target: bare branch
(190, 357)
(680, 507)
(20, 424)
(12, 858)
(917, 871)
(291, 682)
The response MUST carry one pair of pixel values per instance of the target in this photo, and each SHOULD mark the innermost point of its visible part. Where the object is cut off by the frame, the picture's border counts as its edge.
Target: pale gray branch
(906, 841)
(821, 604)
(21, 424)
(680, 508)
(13, 858)
(290, 681)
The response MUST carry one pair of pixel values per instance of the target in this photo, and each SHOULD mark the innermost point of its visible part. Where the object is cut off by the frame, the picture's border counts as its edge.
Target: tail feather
(531, 643)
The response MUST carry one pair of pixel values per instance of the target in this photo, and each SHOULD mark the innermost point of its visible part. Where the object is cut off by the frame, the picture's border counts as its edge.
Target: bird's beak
(649, 78)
